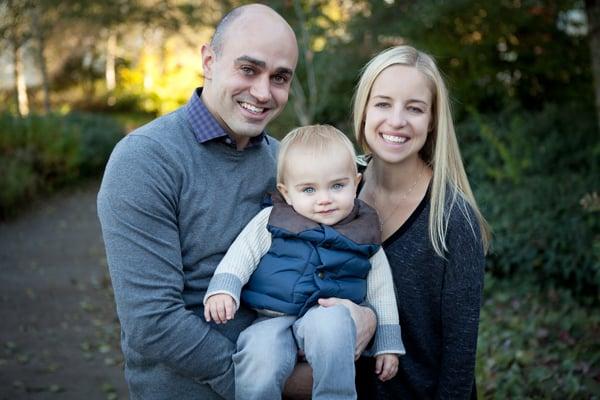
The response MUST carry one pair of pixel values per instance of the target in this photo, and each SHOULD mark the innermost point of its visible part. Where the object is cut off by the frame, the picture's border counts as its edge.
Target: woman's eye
(416, 110)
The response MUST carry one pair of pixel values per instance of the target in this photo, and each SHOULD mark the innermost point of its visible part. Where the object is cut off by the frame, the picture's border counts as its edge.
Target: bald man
(175, 194)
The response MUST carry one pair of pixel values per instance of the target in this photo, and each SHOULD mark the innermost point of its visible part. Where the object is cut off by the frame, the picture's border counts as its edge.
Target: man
(175, 194)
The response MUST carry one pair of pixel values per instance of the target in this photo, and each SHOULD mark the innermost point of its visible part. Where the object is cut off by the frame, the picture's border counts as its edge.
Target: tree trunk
(111, 50)
(20, 85)
(305, 105)
(41, 46)
(592, 8)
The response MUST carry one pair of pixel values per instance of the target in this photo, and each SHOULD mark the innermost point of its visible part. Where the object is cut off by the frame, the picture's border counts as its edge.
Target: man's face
(248, 83)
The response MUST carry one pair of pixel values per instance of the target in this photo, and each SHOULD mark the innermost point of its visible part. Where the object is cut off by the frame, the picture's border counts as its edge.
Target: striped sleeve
(242, 258)
(380, 294)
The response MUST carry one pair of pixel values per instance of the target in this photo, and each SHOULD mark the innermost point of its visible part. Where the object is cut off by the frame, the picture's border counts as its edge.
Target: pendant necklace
(402, 197)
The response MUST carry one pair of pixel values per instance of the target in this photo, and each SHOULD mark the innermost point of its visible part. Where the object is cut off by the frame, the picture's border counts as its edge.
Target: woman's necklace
(401, 198)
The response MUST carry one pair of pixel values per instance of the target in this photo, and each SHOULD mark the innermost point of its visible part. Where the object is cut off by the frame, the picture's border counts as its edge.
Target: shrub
(530, 173)
(41, 153)
(98, 135)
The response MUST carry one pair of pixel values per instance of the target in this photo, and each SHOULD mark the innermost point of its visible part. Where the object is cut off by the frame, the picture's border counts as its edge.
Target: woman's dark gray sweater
(438, 302)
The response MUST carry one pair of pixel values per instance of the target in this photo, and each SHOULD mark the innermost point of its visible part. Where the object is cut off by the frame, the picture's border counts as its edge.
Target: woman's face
(398, 114)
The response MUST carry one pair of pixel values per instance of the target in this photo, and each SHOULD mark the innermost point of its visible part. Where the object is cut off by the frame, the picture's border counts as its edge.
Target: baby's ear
(284, 192)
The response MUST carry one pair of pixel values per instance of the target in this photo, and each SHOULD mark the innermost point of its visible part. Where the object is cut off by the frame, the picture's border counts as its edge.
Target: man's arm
(138, 206)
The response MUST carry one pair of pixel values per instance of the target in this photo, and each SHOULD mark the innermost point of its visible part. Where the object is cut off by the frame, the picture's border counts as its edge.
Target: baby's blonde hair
(319, 140)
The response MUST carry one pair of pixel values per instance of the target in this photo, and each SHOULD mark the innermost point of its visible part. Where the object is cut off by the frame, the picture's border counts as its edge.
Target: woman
(434, 235)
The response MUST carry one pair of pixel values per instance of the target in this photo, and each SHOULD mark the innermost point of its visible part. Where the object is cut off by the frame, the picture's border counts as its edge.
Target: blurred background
(524, 76)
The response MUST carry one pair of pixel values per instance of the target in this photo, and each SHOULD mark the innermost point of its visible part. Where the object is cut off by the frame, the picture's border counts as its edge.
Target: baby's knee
(333, 328)
(331, 320)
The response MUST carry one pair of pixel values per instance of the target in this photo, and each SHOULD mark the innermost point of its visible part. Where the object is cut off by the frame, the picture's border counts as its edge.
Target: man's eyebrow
(262, 64)
(284, 71)
(251, 60)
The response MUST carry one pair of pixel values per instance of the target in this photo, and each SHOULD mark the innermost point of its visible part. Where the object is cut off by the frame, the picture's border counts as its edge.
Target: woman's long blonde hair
(440, 150)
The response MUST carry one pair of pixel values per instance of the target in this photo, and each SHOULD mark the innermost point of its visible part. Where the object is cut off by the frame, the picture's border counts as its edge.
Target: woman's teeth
(394, 139)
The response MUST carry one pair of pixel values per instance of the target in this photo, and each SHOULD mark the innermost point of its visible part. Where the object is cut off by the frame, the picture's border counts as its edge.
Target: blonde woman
(434, 234)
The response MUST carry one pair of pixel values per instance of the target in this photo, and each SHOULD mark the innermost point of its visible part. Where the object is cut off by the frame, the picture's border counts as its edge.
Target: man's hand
(386, 366)
(364, 320)
(219, 308)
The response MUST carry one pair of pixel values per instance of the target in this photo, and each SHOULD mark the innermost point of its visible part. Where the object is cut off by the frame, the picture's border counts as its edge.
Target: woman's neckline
(410, 221)
(362, 166)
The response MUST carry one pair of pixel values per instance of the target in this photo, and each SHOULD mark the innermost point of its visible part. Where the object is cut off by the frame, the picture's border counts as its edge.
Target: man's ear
(208, 59)
(284, 192)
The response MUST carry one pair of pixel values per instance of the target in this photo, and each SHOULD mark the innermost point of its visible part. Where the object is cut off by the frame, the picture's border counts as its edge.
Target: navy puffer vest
(308, 261)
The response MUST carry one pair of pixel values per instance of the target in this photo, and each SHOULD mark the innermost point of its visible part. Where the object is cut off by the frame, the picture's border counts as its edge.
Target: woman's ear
(284, 192)
(357, 180)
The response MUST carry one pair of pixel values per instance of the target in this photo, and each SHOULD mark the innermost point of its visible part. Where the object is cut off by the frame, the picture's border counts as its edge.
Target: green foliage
(98, 135)
(492, 52)
(41, 153)
(536, 344)
(530, 172)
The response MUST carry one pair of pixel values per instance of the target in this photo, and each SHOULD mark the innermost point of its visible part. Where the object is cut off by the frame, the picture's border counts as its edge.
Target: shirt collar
(205, 126)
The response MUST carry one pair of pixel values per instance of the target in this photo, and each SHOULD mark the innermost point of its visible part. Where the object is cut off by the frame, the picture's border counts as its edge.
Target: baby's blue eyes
(312, 190)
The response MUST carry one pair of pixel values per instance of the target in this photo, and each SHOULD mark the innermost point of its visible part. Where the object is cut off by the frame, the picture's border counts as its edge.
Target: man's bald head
(248, 70)
(250, 10)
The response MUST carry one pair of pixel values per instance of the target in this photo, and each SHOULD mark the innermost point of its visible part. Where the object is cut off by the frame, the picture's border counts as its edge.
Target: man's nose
(261, 89)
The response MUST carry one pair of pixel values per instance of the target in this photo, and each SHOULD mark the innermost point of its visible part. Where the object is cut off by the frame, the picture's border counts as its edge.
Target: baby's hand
(219, 308)
(386, 366)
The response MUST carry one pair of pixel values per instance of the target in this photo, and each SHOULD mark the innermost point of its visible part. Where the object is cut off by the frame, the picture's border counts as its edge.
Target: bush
(98, 135)
(41, 153)
(530, 173)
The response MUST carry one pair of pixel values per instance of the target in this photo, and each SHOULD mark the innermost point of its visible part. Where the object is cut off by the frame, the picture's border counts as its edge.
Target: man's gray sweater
(169, 208)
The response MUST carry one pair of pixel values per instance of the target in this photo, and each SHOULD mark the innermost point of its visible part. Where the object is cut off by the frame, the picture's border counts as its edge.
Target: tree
(15, 31)
(319, 25)
(592, 8)
(493, 53)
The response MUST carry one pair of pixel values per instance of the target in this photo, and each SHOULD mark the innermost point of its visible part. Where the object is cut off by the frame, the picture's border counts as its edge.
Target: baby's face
(320, 187)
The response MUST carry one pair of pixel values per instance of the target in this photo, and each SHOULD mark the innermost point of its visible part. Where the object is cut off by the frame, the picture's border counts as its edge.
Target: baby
(316, 241)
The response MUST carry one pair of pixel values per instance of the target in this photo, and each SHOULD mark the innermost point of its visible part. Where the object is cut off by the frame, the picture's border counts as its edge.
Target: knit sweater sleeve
(137, 209)
(380, 294)
(242, 258)
(461, 302)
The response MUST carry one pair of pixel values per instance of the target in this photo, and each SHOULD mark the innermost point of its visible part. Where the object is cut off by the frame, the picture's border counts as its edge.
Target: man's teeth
(252, 108)
(394, 139)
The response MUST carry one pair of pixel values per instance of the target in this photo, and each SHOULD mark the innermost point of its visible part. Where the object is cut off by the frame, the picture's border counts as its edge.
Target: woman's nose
(398, 119)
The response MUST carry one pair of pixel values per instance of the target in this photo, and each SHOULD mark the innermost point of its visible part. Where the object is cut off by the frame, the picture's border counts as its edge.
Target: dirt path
(58, 331)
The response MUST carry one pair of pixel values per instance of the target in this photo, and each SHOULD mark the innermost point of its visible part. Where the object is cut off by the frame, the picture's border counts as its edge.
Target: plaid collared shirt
(205, 126)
